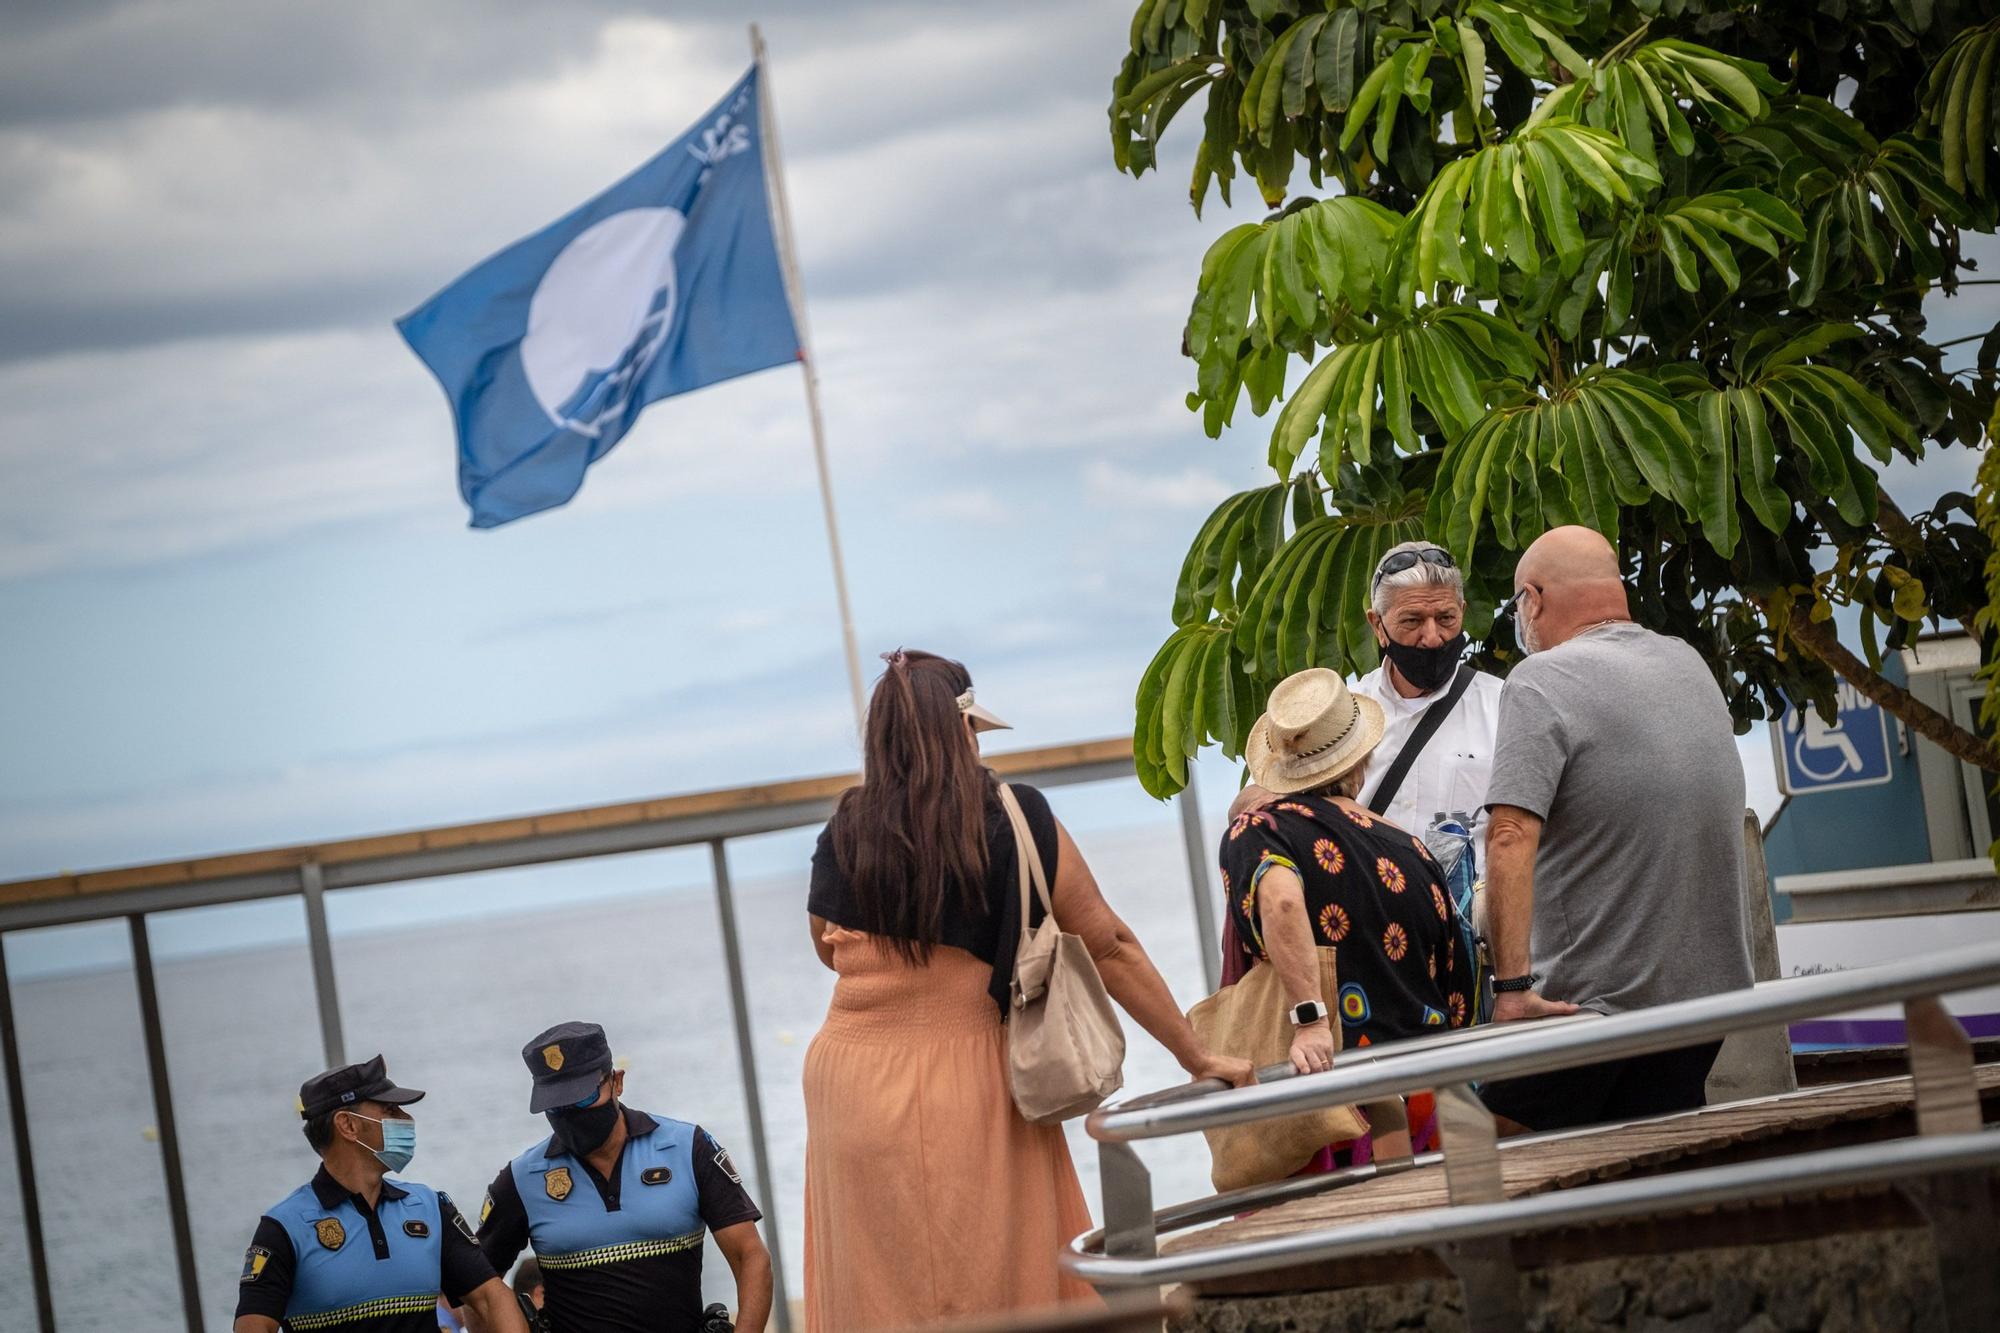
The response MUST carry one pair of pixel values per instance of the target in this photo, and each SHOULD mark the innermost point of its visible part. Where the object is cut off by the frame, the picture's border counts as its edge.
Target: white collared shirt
(1450, 775)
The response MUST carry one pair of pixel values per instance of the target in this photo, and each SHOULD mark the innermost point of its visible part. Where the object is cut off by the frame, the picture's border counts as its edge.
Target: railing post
(753, 1101)
(1756, 1062)
(1129, 1232)
(1484, 1268)
(1199, 855)
(24, 1157)
(312, 886)
(1958, 1206)
(163, 1113)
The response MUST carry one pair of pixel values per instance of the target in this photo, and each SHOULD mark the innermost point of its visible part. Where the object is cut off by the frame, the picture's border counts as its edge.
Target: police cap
(568, 1062)
(351, 1085)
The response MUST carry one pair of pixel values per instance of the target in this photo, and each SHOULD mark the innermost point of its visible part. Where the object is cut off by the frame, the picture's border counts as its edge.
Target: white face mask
(1524, 630)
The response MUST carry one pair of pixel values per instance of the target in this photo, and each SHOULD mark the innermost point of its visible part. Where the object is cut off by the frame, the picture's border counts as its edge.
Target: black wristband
(1525, 981)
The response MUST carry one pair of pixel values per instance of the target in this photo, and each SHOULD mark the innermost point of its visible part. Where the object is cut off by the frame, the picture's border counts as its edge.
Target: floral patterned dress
(1375, 895)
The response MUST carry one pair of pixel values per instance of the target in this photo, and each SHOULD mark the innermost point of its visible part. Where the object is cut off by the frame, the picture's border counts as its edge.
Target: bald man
(1614, 872)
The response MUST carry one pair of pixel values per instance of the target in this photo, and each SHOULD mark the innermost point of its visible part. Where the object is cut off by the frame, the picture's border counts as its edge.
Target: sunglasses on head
(1402, 560)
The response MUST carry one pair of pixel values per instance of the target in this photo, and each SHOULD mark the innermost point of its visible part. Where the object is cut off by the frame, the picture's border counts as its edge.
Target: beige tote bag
(1251, 1019)
(1065, 1050)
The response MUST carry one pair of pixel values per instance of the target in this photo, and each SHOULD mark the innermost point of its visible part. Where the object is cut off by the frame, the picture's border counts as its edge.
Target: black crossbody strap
(1434, 716)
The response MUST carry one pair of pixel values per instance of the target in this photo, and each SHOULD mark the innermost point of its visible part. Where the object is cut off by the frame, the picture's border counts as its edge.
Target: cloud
(1190, 488)
(962, 506)
(365, 154)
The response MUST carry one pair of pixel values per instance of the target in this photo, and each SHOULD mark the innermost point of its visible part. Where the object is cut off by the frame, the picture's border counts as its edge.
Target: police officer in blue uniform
(616, 1202)
(353, 1251)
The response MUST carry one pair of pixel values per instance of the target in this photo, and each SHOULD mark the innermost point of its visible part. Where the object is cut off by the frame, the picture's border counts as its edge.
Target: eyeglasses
(1512, 606)
(1402, 560)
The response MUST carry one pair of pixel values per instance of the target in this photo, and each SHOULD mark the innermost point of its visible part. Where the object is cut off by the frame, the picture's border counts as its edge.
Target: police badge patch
(331, 1234)
(486, 1208)
(728, 1167)
(557, 1183)
(254, 1260)
(552, 1056)
(416, 1227)
(656, 1175)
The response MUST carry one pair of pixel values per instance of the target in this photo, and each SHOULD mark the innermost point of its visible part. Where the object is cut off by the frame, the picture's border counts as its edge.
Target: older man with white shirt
(1417, 611)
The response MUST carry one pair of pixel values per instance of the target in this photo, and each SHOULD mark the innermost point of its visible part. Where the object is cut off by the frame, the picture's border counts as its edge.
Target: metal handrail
(1827, 1169)
(1535, 1048)
(1249, 1198)
(1472, 1231)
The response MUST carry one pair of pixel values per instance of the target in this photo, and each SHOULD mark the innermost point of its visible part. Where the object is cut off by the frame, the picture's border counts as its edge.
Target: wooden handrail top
(770, 795)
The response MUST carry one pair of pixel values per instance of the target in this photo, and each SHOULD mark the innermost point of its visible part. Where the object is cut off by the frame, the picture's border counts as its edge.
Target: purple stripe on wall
(1826, 1033)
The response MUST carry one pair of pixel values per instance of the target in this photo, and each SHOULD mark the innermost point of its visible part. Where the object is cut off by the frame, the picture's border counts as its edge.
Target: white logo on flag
(600, 316)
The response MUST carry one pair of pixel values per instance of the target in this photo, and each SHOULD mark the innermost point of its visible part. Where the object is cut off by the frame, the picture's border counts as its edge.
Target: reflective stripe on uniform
(613, 1254)
(387, 1305)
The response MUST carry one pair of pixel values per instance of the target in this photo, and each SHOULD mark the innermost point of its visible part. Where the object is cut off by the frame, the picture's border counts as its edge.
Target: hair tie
(896, 659)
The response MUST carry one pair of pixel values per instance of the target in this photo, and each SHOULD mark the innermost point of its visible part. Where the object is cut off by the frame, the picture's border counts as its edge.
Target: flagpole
(781, 216)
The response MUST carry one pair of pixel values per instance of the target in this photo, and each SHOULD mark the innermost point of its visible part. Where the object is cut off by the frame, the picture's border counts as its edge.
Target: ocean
(450, 1003)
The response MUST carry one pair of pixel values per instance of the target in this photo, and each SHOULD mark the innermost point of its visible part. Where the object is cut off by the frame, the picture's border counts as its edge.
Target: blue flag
(667, 281)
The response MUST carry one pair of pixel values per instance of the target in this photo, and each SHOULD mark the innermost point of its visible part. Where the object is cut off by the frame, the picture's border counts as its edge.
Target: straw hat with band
(1313, 729)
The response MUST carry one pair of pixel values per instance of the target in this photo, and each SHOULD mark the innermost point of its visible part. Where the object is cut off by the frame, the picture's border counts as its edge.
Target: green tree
(1656, 266)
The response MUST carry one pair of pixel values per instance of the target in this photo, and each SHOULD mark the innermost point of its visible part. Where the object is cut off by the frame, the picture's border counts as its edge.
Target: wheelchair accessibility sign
(1851, 752)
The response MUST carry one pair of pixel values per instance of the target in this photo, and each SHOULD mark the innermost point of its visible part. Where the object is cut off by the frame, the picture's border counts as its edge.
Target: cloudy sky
(239, 602)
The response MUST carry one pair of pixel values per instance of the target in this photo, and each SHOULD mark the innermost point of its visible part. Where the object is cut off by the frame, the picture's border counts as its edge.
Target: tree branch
(1819, 640)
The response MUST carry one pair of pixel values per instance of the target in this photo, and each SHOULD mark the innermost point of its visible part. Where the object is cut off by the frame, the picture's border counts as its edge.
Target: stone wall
(1885, 1280)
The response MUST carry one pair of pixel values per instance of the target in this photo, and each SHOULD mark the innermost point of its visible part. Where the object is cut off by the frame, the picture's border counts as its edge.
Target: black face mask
(583, 1132)
(1426, 668)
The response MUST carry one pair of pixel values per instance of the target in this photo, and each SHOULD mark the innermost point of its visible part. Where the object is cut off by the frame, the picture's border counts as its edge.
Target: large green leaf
(1959, 105)
(1609, 439)
(1193, 693)
(1141, 114)
(1695, 233)
(1402, 77)
(1309, 606)
(1272, 287)
(1514, 204)
(1235, 545)
(1452, 361)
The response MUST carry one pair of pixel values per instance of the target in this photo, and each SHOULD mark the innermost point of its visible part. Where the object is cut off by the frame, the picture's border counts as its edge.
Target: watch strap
(1508, 985)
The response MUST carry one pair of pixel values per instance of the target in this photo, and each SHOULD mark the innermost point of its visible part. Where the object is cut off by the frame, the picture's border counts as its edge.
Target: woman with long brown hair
(927, 1194)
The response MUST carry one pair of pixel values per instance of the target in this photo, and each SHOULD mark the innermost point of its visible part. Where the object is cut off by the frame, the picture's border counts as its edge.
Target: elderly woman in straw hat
(1315, 868)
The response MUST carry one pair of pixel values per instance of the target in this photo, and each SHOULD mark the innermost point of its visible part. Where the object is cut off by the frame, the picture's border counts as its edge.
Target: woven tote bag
(1249, 1018)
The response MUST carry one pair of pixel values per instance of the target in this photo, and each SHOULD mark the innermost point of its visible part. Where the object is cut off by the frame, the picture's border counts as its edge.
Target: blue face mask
(399, 1141)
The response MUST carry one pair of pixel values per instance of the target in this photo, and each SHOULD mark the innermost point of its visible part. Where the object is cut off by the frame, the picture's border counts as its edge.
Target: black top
(655, 1292)
(266, 1287)
(991, 935)
(1373, 893)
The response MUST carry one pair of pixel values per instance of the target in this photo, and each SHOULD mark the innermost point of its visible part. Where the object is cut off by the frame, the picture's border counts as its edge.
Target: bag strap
(1028, 859)
(1433, 718)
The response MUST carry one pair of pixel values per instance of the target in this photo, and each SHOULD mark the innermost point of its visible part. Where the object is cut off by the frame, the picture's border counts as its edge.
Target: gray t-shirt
(1621, 742)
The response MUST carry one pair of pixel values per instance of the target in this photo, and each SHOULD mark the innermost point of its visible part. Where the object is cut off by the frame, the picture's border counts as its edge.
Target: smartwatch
(1525, 981)
(1312, 1011)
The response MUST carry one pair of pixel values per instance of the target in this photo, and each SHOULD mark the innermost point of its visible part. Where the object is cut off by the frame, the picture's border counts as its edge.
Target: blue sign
(1852, 752)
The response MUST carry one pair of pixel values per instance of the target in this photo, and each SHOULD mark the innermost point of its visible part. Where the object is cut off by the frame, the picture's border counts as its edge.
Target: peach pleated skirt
(927, 1195)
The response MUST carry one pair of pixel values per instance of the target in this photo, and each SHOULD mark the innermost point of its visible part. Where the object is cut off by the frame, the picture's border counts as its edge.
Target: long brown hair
(912, 837)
